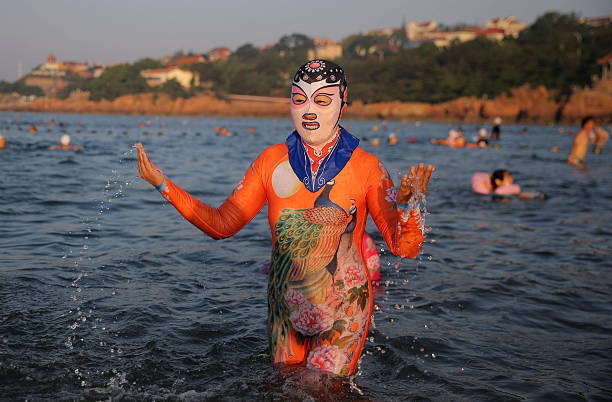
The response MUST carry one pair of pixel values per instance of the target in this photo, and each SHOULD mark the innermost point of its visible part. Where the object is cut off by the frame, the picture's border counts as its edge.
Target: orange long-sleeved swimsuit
(319, 294)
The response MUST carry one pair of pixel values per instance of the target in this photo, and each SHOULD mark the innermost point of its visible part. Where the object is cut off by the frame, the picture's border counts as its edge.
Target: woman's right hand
(147, 169)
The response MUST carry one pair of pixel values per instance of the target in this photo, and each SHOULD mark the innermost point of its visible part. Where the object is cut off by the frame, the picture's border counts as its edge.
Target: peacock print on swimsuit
(318, 287)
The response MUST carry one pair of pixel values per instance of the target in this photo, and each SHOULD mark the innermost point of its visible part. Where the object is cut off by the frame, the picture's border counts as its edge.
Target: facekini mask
(318, 98)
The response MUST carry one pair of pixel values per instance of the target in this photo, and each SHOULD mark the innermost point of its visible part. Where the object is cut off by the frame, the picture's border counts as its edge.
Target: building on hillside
(445, 38)
(325, 49)
(416, 31)
(219, 54)
(186, 60)
(597, 21)
(158, 76)
(56, 68)
(510, 25)
(97, 69)
(606, 67)
(495, 34)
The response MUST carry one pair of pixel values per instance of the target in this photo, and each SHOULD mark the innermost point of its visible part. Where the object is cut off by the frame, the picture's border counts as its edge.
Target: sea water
(107, 292)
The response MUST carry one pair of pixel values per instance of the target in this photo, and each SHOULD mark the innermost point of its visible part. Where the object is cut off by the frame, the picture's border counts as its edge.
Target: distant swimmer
(481, 140)
(581, 142)
(455, 139)
(392, 140)
(33, 128)
(65, 144)
(502, 183)
(2, 141)
(601, 137)
(496, 128)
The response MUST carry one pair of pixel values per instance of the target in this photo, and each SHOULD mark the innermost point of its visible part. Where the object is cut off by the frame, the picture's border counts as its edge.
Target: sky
(115, 31)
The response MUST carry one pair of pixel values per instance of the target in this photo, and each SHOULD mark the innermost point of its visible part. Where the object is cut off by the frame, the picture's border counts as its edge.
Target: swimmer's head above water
(501, 177)
(65, 140)
(318, 99)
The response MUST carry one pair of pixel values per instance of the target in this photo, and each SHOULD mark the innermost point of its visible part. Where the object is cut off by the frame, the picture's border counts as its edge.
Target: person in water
(496, 128)
(501, 183)
(455, 139)
(581, 142)
(601, 137)
(319, 185)
(480, 140)
(2, 141)
(65, 144)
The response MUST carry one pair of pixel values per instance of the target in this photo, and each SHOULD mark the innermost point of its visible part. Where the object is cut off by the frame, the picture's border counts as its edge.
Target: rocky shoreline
(525, 104)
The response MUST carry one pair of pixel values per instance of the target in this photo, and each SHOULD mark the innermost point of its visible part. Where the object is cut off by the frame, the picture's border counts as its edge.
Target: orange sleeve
(239, 208)
(401, 229)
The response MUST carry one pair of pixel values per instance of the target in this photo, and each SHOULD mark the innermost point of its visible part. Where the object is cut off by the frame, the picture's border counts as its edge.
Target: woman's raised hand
(416, 178)
(147, 169)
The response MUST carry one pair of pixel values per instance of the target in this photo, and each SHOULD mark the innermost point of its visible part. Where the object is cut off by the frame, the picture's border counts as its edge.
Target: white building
(158, 76)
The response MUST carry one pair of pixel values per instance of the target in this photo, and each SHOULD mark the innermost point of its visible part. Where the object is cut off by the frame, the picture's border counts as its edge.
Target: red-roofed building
(597, 21)
(187, 60)
(57, 68)
(510, 25)
(219, 53)
(417, 31)
(493, 33)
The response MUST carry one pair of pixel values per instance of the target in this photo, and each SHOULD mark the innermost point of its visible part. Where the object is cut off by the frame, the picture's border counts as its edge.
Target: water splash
(86, 329)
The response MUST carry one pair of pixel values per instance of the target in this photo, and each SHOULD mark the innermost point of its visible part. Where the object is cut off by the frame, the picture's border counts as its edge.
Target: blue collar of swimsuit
(330, 166)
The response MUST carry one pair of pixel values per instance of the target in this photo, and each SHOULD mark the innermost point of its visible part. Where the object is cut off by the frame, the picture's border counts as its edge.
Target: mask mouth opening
(310, 125)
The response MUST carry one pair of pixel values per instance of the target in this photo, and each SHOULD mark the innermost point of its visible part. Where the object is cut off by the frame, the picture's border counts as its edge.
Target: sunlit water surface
(107, 292)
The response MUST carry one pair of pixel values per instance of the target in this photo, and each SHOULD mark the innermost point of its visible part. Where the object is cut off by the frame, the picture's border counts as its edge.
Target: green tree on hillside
(120, 80)
(20, 87)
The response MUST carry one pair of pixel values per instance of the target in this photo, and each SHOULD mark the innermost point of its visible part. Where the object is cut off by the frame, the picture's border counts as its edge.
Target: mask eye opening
(298, 98)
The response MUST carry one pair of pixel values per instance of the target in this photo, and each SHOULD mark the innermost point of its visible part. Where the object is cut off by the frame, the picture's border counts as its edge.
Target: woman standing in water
(319, 186)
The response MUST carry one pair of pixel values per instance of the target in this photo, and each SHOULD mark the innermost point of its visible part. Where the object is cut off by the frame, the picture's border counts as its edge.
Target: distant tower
(19, 71)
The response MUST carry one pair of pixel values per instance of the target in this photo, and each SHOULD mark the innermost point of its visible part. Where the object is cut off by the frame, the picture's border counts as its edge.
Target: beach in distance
(106, 292)
(522, 105)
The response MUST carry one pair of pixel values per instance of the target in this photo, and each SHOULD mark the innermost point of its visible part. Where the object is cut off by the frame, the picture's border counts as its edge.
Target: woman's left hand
(417, 178)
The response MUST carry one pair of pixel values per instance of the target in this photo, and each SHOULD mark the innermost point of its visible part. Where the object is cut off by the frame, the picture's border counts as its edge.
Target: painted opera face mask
(316, 109)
